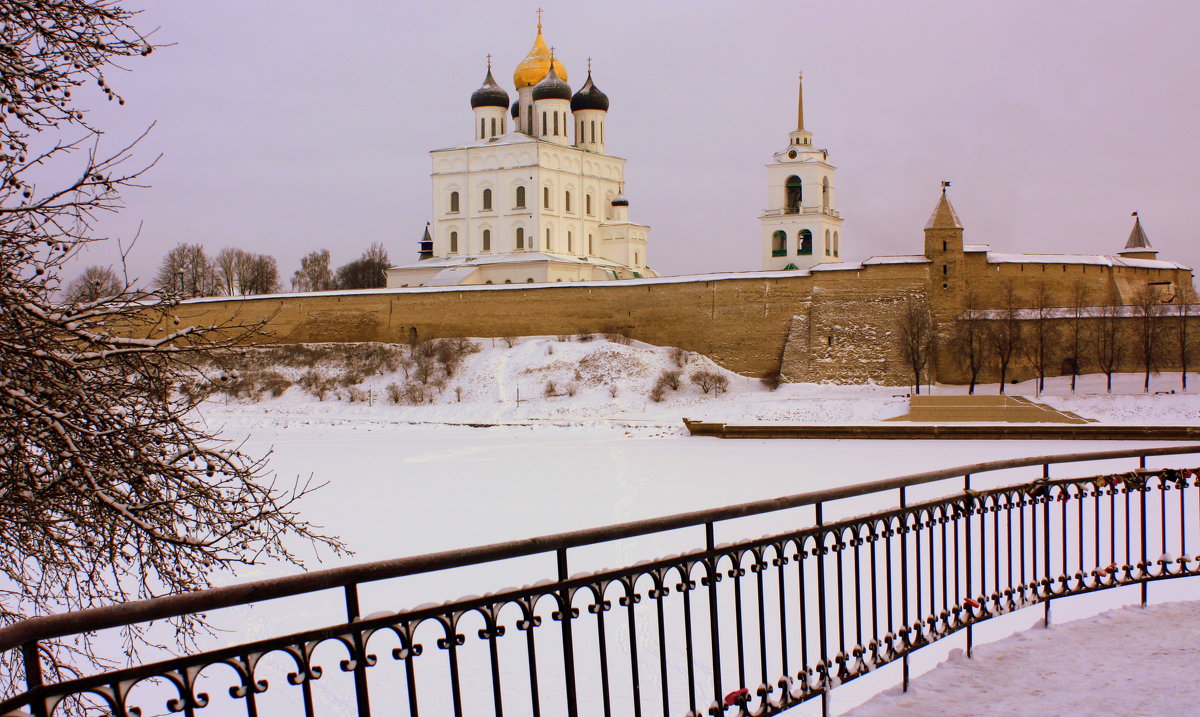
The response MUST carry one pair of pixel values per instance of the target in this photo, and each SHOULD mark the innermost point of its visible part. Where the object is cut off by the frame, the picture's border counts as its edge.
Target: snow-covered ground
(499, 459)
(1130, 661)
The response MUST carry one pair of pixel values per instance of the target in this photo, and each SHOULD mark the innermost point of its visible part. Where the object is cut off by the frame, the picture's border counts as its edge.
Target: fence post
(567, 637)
(904, 588)
(361, 696)
(1046, 546)
(971, 622)
(1143, 489)
(825, 706)
(710, 545)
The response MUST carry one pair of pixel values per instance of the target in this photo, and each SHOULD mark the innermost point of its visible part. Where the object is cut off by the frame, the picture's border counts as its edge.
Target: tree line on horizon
(187, 271)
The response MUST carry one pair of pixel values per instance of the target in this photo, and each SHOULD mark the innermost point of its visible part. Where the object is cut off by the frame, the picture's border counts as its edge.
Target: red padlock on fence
(736, 696)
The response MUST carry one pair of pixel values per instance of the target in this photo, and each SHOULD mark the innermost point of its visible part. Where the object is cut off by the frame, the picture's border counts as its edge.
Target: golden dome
(536, 65)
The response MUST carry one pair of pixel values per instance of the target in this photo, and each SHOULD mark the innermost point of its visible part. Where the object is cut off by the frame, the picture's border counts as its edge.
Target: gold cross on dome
(489, 58)
(589, 65)
(539, 13)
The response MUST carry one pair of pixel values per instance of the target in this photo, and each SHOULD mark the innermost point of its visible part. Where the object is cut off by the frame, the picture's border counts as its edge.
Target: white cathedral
(522, 202)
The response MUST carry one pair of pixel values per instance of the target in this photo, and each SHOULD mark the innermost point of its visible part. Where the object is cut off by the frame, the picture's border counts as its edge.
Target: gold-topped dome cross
(536, 65)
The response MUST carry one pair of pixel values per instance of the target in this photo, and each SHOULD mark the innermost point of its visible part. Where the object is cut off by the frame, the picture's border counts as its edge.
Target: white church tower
(801, 227)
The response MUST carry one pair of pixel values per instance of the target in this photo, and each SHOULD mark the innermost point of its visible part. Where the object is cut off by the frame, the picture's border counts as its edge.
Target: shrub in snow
(571, 389)
(658, 392)
(612, 390)
(508, 340)
(772, 380)
(584, 336)
(710, 381)
(550, 389)
(358, 395)
(680, 357)
(670, 379)
(395, 392)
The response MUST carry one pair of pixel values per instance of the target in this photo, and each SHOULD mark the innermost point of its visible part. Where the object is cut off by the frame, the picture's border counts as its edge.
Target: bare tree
(1108, 338)
(109, 491)
(259, 275)
(1076, 329)
(915, 335)
(1185, 297)
(1043, 339)
(314, 273)
(365, 272)
(186, 271)
(228, 265)
(96, 282)
(1148, 308)
(1004, 331)
(970, 339)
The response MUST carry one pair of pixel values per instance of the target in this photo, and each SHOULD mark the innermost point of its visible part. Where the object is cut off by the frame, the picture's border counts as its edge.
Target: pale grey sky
(293, 125)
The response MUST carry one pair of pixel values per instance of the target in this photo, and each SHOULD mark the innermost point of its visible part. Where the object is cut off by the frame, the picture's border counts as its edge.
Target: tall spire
(800, 106)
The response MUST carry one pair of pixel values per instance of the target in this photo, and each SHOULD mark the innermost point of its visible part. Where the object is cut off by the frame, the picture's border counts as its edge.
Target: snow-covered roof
(904, 259)
(513, 137)
(516, 257)
(452, 276)
(1091, 259)
(975, 248)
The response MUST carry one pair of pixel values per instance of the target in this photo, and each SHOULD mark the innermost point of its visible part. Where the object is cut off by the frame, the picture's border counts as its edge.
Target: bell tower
(801, 226)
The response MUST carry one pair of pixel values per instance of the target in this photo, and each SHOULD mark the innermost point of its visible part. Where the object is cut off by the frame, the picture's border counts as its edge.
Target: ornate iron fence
(751, 627)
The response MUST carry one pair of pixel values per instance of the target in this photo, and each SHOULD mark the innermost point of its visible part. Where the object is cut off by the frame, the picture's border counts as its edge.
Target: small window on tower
(520, 238)
(487, 199)
(487, 239)
(546, 197)
(567, 201)
(453, 242)
(520, 197)
(454, 201)
(587, 200)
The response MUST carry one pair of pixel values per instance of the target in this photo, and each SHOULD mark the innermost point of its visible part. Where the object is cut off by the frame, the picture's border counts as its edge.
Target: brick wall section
(834, 326)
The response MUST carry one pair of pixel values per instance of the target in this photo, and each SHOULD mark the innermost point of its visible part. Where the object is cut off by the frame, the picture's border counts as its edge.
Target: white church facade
(533, 198)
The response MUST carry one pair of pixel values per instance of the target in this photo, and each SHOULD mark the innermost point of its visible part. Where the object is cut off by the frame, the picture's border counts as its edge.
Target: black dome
(516, 110)
(551, 88)
(620, 201)
(489, 95)
(589, 97)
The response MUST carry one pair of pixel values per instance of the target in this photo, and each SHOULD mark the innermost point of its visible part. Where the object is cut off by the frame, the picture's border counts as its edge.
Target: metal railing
(752, 627)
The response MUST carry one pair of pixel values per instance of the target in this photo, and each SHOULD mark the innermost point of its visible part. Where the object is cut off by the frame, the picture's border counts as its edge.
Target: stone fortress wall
(836, 323)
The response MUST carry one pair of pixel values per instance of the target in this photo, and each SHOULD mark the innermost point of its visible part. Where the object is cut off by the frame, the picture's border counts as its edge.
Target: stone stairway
(984, 409)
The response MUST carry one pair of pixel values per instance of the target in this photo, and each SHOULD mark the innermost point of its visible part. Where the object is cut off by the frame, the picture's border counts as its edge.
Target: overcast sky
(293, 125)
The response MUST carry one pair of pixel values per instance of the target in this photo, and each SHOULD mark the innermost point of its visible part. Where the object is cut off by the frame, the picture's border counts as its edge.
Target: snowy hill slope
(587, 378)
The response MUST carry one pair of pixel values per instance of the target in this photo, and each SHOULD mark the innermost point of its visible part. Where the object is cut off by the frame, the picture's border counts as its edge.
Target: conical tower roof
(1137, 237)
(944, 216)
(589, 97)
(490, 94)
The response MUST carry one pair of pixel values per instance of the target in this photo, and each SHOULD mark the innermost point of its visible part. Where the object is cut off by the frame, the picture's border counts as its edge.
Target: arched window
(593, 130)
(549, 243)
(828, 243)
(779, 243)
(529, 280)
(520, 238)
(545, 125)
(482, 128)
(567, 201)
(591, 246)
(570, 244)
(587, 201)
(825, 194)
(453, 242)
(493, 126)
(487, 200)
(836, 243)
(555, 124)
(487, 239)
(454, 201)
(804, 245)
(793, 196)
(546, 197)
(508, 281)
(520, 197)
(635, 258)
